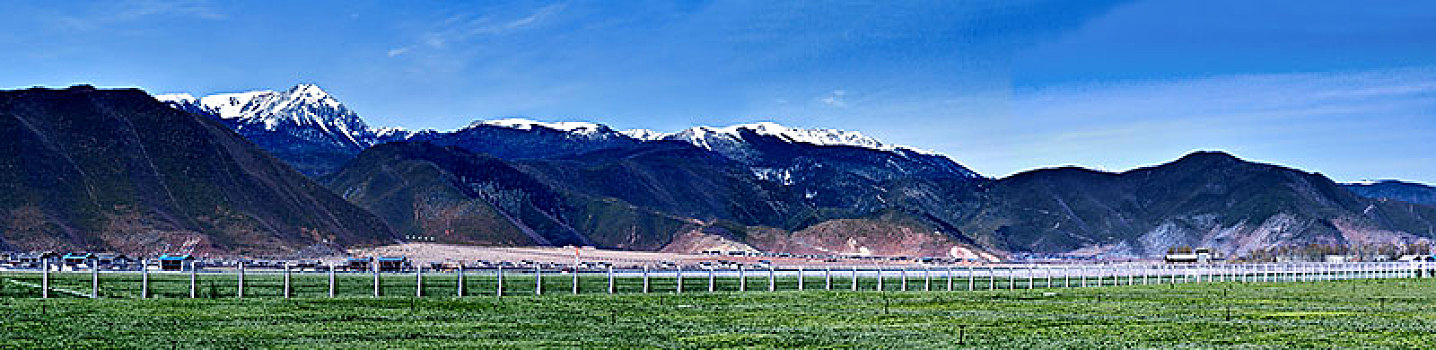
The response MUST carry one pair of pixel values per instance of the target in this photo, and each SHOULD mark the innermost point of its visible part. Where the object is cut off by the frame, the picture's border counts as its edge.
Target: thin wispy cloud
(835, 99)
(118, 12)
(465, 27)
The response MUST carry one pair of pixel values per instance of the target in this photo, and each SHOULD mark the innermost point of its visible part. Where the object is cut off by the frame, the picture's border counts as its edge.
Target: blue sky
(1346, 88)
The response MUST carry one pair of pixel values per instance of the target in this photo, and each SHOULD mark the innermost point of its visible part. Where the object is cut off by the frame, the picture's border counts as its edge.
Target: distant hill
(1394, 189)
(1205, 199)
(91, 169)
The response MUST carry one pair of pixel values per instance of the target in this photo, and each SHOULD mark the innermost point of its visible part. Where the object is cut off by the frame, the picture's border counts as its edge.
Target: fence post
(903, 274)
(419, 281)
(144, 279)
(645, 279)
(332, 289)
(926, 279)
(827, 278)
(949, 278)
(772, 283)
(610, 279)
(971, 278)
(286, 280)
(712, 280)
(880, 278)
(374, 265)
(855, 278)
(193, 280)
(800, 278)
(1031, 277)
(538, 279)
(240, 292)
(742, 280)
(459, 284)
(679, 279)
(45, 278)
(575, 279)
(94, 278)
(991, 277)
(499, 288)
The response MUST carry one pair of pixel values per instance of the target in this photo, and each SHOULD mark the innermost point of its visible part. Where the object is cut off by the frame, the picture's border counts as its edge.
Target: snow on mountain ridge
(644, 134)
(582, 128)
(707, 137)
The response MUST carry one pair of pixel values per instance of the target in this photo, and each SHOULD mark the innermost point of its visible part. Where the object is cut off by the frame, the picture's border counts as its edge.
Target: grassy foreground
(1341, 314)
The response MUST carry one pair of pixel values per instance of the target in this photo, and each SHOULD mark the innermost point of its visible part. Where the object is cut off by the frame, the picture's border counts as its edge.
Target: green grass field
(1396, 313)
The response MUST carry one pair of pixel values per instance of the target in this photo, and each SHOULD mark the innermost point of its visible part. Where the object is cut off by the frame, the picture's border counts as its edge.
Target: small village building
(393, 264)
(176, 262)
(1199, 256)
(357, 264)
(114, 261)
(77, 261)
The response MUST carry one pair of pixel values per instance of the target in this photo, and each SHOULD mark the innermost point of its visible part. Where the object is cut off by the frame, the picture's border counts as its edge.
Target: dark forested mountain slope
(82, 168)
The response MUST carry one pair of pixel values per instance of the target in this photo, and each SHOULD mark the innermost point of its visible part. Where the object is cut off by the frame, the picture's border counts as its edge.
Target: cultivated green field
(1395, 313)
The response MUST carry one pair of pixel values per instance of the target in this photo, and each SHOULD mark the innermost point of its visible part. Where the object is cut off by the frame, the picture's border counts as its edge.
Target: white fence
(742, 279)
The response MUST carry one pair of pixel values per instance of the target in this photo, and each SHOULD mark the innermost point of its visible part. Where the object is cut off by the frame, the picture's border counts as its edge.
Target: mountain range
(764, 186)
(1394, 190)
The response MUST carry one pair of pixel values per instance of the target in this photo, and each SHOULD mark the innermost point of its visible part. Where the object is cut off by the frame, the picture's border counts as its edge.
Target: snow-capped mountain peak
(305, 110)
